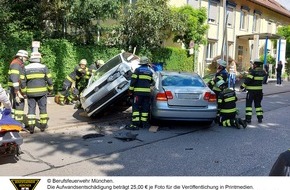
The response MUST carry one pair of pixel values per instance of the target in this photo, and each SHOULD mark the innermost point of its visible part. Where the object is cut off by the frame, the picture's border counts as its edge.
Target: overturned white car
(109, 84)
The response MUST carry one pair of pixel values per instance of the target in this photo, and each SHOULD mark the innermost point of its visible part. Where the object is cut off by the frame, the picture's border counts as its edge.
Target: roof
(273, 5)
(261, 36)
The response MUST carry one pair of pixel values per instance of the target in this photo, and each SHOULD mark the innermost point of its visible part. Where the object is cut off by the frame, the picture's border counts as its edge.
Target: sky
(285, 3)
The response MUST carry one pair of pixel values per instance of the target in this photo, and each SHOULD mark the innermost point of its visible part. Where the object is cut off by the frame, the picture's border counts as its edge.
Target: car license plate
(188, 96)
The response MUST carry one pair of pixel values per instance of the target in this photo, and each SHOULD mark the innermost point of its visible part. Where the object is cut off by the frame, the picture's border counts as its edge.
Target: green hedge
(61, 56)
(174, 59)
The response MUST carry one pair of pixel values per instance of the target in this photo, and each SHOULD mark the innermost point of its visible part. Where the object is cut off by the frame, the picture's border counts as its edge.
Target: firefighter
(282, 165)
(253, 84)
(16, 74)
(95, 66)
(70, 85)
(221, 74)
(37, 83)
(227, 106)
(141, 81)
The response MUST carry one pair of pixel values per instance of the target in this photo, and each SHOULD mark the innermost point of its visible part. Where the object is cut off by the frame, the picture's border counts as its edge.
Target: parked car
(182, 96)
(109, 83)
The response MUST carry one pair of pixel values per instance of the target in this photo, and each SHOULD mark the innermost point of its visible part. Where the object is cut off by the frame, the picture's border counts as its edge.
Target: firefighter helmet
(222, 63)
(22, 53)
(144, 60)
(83, 62)
(258, 62)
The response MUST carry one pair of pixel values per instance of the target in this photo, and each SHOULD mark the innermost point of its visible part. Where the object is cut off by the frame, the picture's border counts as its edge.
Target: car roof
(178, 73)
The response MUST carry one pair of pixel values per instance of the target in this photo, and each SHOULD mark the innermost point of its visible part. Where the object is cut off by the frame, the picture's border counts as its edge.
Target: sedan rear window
(182, 80)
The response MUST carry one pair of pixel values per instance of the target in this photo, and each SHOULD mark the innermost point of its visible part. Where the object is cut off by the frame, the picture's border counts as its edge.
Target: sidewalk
(66, 116)
(268, 89)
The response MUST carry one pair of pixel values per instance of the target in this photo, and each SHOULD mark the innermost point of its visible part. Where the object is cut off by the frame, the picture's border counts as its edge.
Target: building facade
(251, 28)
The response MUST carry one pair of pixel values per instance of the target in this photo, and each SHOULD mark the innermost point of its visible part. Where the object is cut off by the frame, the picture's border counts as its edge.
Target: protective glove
(17, 99)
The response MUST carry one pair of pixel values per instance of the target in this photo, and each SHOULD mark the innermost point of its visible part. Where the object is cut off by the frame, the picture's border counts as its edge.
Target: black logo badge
(25, 184)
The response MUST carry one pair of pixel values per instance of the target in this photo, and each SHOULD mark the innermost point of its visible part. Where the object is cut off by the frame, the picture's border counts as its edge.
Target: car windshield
(106, 67)
(111, 64)
(182, 80)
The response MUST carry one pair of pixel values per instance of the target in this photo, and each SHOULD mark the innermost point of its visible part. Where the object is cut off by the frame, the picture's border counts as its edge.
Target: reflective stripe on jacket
(141, 80)
(227, 101)
(16, 73)
(37, 80)
(254, 80)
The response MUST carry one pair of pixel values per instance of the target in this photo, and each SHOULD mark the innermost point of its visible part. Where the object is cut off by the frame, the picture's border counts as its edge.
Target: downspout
(279, 48)
(265, 51)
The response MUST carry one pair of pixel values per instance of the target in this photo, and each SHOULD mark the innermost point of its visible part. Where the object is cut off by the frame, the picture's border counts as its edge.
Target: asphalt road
(177, 149)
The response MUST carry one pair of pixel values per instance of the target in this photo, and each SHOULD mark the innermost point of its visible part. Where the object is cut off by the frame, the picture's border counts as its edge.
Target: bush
(174, 59)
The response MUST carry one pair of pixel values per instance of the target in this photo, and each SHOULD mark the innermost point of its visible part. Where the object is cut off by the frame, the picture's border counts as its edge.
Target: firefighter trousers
(228, 120)
(255, 97)
(17, 111)
(140, 110)
(41, 101)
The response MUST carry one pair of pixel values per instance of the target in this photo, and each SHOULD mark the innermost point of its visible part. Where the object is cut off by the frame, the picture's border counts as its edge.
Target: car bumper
(184, 114)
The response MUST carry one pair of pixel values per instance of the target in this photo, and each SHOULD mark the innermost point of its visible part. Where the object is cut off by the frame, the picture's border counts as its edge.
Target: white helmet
(35, 55)
(222, 63)
(144, 60)
(83, 62)
(22, 53)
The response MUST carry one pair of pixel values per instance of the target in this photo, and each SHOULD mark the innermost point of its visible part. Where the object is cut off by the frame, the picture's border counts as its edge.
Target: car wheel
(152, 120)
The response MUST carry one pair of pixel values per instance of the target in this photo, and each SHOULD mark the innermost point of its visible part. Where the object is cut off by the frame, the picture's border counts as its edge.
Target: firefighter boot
(237, 124)
(31, 128)
(243, 123)
(131, 127)
(43, 127)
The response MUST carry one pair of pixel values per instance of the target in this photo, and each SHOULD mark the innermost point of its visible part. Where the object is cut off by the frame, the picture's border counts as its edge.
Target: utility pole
(224, 44)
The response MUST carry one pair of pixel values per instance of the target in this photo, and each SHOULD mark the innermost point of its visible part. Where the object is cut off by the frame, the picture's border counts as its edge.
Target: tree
(146, 24)
(85, 16)
(191, 25)
(285, 32)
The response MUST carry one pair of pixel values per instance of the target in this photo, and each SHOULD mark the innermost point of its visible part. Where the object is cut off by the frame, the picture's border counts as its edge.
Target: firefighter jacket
(141, 80)
(254, 80)
(77, 74)
(16, 74)
(93, 68)
(227, 102)
(221, 75)
(37, 81)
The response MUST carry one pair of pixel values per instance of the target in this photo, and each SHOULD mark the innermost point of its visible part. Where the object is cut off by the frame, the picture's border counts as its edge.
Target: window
(213, 12)
(256, 21)
(230, 13)
(211, 49)
(244, 20)
(193, 3)
(231, 48)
